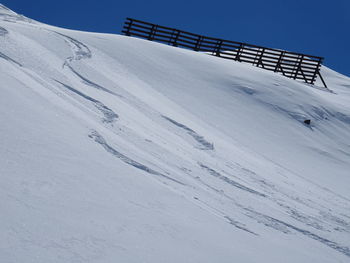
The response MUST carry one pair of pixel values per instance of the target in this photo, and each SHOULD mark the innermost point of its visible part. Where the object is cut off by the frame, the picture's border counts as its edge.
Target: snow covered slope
(116, 149)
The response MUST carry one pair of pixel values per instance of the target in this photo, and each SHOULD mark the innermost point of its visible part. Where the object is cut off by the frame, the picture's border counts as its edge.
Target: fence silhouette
(290, 64)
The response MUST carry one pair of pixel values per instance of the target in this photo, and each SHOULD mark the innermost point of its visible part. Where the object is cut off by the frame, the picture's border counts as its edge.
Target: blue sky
(316, 27)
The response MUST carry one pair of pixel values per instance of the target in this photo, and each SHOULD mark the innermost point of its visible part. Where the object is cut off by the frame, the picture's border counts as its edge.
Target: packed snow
(117, 149)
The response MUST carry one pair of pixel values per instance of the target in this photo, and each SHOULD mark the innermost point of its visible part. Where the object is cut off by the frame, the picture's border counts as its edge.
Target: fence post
(257, 57)
(152, 32)
(278, 65)
(260, 58)
(301, 70)
(128, 27)
(317, 69)
(324, 83)
(173, 40)
(198, 43)
(218, 48)
(299, 66)
(238, 52)
(293, 74)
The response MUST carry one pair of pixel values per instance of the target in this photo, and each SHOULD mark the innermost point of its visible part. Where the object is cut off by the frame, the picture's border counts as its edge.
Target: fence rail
(290, 64)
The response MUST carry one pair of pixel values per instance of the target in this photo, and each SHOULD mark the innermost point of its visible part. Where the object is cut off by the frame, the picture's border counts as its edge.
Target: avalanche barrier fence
(290, 64)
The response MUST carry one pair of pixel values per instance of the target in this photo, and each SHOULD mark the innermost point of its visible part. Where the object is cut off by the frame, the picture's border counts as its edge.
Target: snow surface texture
(116, 149)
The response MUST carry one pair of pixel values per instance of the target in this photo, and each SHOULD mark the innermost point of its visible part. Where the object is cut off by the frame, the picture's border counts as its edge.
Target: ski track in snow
(322, 219)
(215, 211)
(288, 228)
(80, 51)
(239, 225)
(313, 222)
(3, 31)
(338, 221)
(100, 140)
(2, 55)
(230, 181)
(205, 145)
(91, 83)
(282, 226)
(109, 115)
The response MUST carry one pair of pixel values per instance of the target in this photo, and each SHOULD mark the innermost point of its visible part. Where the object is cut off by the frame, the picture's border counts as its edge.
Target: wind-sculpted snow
(244, 89)
(8, 15)
(342, 117)
(204, 144)
(100, 140)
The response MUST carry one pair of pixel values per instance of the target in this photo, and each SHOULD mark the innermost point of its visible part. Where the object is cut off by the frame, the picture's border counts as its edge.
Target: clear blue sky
(316, 27)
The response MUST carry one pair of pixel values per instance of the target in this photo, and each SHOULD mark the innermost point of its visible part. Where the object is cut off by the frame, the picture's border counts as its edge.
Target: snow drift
(116, 149)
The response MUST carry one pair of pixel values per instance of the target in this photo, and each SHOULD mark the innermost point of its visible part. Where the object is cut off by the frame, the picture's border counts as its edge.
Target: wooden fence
(290, 64)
